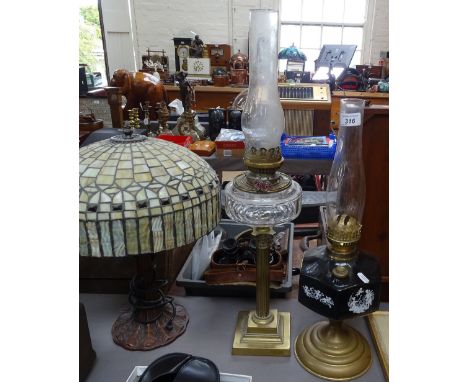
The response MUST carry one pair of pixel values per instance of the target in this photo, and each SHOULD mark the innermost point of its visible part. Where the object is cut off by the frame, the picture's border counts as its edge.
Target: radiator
(299, 122)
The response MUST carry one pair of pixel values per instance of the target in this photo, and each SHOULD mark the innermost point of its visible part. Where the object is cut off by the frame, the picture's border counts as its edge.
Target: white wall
(156, 22)
(377, 31)
(216, 21)
(118, 34)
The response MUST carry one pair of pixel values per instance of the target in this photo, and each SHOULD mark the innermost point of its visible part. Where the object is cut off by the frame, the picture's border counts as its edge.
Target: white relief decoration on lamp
(361, 300)
(318, 295)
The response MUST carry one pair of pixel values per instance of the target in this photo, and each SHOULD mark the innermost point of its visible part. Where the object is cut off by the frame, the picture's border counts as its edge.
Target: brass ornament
(186, 124)
(163, 115)
(333, 351)
(147, 120)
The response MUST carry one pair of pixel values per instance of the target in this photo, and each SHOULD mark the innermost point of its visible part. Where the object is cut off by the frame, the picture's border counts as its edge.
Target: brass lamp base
(333, 351)
(270, 338)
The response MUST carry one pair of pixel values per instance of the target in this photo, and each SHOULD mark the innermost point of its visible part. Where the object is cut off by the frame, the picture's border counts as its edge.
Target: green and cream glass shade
(143, 197)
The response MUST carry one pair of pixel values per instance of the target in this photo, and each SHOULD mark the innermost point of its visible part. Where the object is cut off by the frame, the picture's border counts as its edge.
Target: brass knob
(340, 272)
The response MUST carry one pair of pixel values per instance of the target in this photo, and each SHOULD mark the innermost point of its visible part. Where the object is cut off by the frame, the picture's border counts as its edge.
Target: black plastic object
(216, 122)
(337, 298)
(230, 246)
(234, 119)
(229, 253)
(181, 367)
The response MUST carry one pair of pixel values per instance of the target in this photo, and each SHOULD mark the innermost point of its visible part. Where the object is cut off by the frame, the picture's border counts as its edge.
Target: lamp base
(270, 338)
(133, 335)
(333, 351)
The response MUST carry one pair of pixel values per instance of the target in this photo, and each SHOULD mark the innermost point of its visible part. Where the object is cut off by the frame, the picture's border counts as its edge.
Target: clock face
(183, 51)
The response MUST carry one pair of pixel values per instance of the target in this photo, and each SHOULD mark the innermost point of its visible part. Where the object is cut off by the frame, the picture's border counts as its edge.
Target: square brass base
(272, 339)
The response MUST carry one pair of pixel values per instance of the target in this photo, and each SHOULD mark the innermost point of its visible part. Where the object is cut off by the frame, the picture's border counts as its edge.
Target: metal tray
(201, 288)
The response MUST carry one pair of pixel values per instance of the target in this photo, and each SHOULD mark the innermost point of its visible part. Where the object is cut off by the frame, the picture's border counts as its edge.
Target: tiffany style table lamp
(295, 59)
(262, 197)
(339, 281)
(141, 196)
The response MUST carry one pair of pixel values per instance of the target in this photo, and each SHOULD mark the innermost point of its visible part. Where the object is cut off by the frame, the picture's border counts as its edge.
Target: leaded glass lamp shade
(292, 53)
(144, 197)
(295, 58)
(141, 196)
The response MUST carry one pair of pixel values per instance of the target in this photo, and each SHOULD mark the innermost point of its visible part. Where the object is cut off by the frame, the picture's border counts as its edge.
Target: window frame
(365, 25)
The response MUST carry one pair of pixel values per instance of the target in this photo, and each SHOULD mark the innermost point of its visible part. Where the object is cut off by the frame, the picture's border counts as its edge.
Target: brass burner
(343, 234)
(262, 176)
(263, 161)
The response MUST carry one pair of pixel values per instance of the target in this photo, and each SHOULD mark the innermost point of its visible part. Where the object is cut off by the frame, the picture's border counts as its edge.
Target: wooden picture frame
(379, 328)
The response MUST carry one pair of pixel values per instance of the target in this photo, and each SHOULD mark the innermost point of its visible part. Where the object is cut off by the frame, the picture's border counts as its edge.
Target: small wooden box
(219, 54)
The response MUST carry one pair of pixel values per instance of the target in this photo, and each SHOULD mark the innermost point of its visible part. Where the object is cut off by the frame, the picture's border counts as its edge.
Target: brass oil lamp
(338, 280)
(263, 197)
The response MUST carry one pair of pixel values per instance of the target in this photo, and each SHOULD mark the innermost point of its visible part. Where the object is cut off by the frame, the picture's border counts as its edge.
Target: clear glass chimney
(346, 190)
(263, 117)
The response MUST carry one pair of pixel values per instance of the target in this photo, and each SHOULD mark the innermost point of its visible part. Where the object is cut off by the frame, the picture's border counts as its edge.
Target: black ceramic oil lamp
(339, 281)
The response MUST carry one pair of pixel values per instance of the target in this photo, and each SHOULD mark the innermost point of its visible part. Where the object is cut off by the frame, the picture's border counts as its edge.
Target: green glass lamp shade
(292, 53)
(144, 196)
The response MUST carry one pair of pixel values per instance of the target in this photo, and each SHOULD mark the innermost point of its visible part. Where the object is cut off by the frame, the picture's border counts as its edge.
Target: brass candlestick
(147, 120)
(163, 115)
(134, 118)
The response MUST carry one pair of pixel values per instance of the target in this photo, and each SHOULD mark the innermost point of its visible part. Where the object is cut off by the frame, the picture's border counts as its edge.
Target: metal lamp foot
(333, 351)
(270, 338)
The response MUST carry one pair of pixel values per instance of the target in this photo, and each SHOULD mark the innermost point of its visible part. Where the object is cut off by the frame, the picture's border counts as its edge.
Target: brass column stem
(263, 243)
(263, 276)
(263, 331)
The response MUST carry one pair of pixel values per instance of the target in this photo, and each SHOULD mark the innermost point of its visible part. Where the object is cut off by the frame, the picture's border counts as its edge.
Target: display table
(209, 334)
(208, 96)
